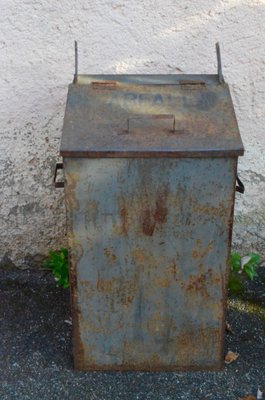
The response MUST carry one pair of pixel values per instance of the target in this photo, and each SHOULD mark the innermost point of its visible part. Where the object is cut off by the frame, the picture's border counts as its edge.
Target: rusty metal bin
(150, 167)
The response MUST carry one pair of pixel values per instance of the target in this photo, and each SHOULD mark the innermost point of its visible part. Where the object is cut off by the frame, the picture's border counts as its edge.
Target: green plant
(57, 261)
(242, 268)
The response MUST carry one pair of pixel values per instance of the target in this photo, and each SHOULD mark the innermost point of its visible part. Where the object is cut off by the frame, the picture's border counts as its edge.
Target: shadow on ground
(36, 363)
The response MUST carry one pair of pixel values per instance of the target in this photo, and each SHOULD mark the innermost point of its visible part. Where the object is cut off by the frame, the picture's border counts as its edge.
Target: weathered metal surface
(149, 240)
(99, 107)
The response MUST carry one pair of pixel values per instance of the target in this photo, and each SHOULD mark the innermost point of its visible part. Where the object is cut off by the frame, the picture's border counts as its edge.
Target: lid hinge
(192, 84)
(104, 84)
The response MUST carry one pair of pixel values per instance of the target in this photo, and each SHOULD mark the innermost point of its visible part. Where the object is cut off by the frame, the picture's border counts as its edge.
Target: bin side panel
(149, 240)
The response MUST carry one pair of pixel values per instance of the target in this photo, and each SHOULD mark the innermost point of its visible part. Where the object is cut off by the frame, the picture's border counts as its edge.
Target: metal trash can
(150, 167)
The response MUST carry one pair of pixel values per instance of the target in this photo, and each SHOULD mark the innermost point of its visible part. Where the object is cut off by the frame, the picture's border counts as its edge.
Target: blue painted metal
(150, 168)
(149, 240)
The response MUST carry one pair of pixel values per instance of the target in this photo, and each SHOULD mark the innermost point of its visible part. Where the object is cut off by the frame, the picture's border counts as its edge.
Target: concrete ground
(36, 362)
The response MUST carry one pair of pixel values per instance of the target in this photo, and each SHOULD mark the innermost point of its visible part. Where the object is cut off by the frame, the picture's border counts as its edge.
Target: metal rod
(76, 62)
(219, 63)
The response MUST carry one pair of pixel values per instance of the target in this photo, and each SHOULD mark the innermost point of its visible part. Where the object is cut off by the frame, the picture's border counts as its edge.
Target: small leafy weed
(241, 269)
(57, 261)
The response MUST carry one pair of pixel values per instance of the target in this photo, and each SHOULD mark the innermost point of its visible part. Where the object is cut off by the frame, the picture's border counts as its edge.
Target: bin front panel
(149, 241)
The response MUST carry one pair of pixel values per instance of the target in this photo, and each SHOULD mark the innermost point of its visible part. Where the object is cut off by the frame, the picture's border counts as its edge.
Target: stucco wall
(119, 36)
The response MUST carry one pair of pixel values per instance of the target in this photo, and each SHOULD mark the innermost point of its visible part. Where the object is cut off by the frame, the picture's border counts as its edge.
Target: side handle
(58, 184)
(239, 187)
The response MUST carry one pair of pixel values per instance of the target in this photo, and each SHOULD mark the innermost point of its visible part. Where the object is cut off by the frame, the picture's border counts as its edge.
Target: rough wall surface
(118, 36)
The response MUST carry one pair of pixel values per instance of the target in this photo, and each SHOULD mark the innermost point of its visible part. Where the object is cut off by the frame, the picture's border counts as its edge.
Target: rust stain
(160, 212)
(172, 270)
(87, 288)
(75, 255)
(110, 255)
(201, 252)
(214, 278)
(148, 222)
(151, 209)
(91, 212)
(88, 359)
(211, 211)
(201, 283)
(217, 310)
(138, 361)
(117, 229)
(119, 290)
(90, 326)
(72, 273)
(153, 324)
(155, 360)
(78, 345)
(144, 257)
(124, 220)
(105, 285)
(161, 282)
(152, 216)
(192, 345)
(163, 325)
(169, 277)
(197, 283)
(127, 298)
(147, 366)
(139, 256)
(71, 179)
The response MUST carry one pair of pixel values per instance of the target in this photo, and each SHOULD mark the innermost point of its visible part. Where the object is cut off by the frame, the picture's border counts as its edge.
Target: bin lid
(150, 116)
